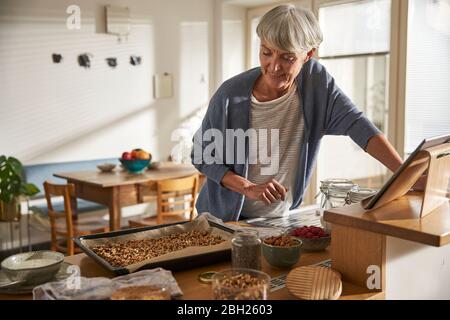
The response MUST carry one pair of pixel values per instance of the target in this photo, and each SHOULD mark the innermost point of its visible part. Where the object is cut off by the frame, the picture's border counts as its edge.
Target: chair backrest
(67, 191)
(176, 196)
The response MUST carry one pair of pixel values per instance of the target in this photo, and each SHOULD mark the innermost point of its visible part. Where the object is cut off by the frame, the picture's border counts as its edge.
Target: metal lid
(206, 277)
(325, 183)
(360, 194)
(341, 189)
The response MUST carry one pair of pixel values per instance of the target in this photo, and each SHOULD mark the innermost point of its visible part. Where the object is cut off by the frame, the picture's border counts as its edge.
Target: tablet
(426, 143)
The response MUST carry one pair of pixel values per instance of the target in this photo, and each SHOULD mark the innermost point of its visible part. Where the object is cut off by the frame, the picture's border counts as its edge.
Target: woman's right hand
(268, 192)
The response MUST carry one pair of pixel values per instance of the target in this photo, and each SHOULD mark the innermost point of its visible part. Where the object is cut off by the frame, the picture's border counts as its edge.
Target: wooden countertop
(399, 218)
(195, 290)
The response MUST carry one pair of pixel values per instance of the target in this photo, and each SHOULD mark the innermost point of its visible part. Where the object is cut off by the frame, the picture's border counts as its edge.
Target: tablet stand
(436, 190)
(435, 160)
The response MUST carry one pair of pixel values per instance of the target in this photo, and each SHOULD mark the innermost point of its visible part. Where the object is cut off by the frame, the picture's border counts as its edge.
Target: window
(427, 107)
(355, 52)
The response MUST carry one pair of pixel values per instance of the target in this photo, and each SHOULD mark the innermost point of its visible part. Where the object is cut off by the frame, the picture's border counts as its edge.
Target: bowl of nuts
(313, 238)
(240, 284)
(282, 251)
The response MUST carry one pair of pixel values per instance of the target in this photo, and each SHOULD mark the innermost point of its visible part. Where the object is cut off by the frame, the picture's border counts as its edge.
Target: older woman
(291, 102)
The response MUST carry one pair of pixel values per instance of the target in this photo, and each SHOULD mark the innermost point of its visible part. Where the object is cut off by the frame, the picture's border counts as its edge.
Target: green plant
(11, 180)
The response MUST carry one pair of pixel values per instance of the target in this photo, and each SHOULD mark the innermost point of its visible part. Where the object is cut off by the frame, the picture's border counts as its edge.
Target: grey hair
(291, 29)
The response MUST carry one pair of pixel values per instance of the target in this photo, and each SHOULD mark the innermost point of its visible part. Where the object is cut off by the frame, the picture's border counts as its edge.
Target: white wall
(61, 112)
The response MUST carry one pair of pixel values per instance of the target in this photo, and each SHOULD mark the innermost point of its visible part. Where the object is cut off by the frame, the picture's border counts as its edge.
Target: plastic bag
(82, 288)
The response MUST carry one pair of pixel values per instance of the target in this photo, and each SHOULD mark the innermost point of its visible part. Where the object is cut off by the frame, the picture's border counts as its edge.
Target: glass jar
(240, 284)
(359, 194)
(335, 193)
(246, 249)
(324, 192)
(338, 193)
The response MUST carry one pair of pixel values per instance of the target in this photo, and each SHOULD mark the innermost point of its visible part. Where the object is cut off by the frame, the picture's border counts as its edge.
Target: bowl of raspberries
(313, 238)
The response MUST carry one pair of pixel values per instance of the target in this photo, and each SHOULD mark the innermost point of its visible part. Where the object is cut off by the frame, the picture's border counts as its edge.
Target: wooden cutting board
(314, 283)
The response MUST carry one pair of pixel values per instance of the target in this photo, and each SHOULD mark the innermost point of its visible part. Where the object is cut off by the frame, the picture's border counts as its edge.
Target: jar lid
(246, 233)
(206, 277)
(325, 183)
(360, 194)
(245, 237)
(341, 189)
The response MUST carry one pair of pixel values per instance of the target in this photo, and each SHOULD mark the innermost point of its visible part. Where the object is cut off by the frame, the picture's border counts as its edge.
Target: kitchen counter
(392, 249)
(195, 290)
(399, 218)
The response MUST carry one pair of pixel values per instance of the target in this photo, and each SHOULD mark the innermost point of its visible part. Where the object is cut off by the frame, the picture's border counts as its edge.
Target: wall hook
(112, 62)
(84, 60)
(135, 60)
(57, 58)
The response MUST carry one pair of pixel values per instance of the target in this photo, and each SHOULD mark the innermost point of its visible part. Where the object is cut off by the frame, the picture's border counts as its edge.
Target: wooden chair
(66, 224)
(175, 198)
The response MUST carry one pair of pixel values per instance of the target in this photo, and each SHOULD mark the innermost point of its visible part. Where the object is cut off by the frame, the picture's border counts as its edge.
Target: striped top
(284, 115)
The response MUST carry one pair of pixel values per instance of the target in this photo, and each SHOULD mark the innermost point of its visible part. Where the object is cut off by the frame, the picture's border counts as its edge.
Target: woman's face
(280, 68)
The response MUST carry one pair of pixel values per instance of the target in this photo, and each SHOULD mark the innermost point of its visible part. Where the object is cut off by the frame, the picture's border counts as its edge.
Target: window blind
(427, 111)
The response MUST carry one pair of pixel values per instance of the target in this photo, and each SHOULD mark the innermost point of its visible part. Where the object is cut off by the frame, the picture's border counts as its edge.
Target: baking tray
(172, 264)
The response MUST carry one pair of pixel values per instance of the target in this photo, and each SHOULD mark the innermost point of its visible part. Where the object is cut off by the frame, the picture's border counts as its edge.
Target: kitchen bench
(409, 255)
(195, 290)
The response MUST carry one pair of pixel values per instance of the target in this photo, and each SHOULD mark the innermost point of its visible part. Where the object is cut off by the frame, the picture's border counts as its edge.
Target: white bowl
(33, 267)
(106, 167)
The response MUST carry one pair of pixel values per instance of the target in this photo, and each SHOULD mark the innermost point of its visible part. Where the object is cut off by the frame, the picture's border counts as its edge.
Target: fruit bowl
(134, 165)
(313, 238)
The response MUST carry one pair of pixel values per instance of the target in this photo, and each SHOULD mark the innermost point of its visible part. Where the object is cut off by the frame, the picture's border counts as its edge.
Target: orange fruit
(142, 155)
(134, 154)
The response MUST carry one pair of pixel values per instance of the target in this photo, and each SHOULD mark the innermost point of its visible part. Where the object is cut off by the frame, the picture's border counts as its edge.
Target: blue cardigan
(326, 110)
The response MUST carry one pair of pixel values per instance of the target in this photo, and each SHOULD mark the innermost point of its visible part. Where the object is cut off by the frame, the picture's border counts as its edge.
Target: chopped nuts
(242, 286)
(281, 241)
(123, 254)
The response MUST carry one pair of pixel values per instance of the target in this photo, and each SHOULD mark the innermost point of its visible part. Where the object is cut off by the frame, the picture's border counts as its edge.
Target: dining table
(119, 188)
